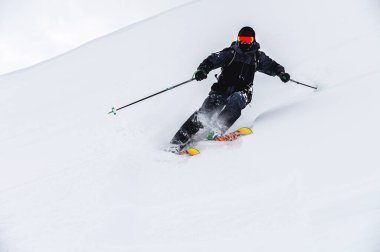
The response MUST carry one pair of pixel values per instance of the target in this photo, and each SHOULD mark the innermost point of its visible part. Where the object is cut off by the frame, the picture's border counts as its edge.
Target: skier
(233, 90)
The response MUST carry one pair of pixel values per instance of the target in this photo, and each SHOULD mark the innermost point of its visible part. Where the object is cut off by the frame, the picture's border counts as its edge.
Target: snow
(55, 26)
(76, 179)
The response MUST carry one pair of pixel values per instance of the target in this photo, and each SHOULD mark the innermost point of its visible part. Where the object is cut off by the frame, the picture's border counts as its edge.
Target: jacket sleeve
(268, 66)
(216, 60)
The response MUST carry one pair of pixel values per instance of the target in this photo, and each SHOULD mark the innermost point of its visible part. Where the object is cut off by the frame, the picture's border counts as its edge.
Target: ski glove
(285, 77)
(200, 75)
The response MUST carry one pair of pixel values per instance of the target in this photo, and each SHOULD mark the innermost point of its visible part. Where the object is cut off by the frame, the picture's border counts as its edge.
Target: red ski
(225, 138)
(234, 135)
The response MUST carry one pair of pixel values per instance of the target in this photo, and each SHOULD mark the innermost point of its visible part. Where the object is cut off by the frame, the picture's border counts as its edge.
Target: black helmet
(246, 38)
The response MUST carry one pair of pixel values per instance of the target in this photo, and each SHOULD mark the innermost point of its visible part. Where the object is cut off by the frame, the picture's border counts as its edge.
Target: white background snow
(36, 30)
(76, 179)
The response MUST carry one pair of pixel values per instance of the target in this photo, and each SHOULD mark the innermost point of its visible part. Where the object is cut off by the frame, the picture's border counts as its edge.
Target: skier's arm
(268, 66)
(217, 60)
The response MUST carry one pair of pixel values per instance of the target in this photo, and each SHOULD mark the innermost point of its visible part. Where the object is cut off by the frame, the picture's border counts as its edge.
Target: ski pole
(113, 111)
(303, 84)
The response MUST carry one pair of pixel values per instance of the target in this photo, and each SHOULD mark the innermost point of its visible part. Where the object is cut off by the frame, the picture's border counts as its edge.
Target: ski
(225, 138)
(233, 135)
(189, 152)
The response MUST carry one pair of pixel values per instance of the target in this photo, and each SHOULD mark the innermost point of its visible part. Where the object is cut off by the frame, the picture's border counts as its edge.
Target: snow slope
(76, 179)
(55, 26)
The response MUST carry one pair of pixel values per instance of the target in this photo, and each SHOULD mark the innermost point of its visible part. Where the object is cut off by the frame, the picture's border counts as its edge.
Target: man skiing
(233, 90)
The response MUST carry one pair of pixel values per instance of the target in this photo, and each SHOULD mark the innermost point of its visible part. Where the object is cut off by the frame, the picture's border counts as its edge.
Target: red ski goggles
(245, 40)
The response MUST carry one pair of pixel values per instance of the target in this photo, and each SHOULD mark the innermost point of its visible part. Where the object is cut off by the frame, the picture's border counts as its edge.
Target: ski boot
(215, 133)
(177, 147)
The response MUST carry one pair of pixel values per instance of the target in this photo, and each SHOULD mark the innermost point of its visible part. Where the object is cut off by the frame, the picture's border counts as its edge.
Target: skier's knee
(237, 101)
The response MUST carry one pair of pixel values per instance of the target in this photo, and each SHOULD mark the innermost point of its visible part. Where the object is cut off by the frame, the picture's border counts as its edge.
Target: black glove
(285, 77)
(200, 75)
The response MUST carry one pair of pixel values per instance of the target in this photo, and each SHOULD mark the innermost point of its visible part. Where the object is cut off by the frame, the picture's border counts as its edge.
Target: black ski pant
(226, 107)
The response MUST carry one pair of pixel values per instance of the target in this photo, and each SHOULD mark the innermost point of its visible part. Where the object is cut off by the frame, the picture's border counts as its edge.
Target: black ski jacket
(239, 67)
